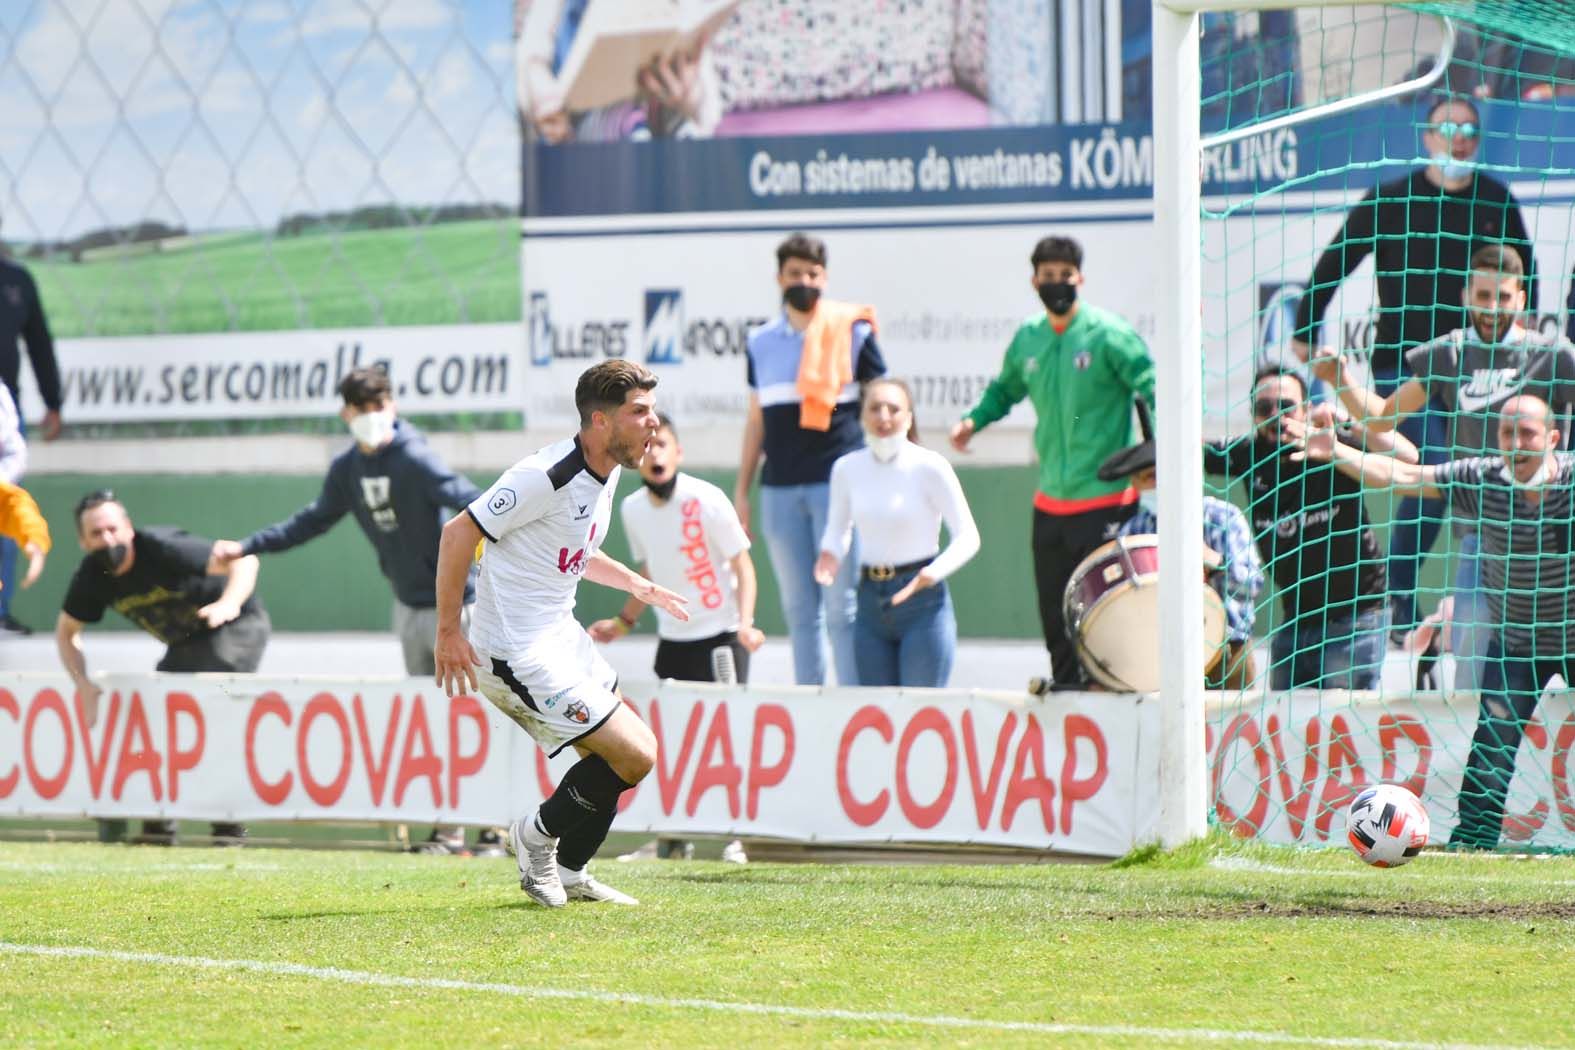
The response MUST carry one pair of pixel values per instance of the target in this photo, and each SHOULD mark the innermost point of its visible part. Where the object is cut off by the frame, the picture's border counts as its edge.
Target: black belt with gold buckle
(882, 573)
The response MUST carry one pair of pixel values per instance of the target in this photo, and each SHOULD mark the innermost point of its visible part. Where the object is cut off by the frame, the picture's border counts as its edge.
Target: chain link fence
(225, 166)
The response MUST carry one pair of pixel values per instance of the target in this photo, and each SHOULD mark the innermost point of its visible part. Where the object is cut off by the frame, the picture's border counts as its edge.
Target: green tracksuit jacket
(1081, 382)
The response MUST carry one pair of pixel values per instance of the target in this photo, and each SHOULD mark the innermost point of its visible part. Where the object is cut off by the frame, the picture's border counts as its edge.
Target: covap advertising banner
(797, 764)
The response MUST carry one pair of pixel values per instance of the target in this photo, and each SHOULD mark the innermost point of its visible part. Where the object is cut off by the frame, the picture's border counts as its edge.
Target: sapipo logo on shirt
(1082, 360)
(700, 571)
(13, 295)
(574, 564)
(664, 326)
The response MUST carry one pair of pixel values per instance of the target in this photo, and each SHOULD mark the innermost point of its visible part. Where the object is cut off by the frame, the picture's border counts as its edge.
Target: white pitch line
(808, 1013)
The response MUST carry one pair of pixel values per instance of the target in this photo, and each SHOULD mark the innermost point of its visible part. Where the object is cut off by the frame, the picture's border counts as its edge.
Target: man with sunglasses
(1313, 532)
(1421, 231)
(1471, 372)
(157, 577)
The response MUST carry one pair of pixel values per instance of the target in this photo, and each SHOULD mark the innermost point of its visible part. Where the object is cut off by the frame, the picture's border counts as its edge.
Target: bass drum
(1112, 609)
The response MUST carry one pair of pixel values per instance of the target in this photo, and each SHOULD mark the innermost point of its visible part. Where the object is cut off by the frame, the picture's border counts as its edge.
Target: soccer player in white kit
(544, 521)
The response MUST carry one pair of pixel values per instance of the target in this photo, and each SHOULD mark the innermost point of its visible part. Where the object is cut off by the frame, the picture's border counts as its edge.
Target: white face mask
(1149, 501)
(1451, 168)
(1537, 480)
(885, 448)
(373, 429)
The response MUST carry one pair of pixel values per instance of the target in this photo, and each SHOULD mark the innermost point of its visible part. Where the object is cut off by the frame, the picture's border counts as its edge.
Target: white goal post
(1178, 359)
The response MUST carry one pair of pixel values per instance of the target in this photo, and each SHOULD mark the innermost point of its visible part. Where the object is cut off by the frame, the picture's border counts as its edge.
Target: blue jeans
(911, 644)
(1414, 526)
(1512, 685)
(792, 518)
(1340, 652)
(1471, 630)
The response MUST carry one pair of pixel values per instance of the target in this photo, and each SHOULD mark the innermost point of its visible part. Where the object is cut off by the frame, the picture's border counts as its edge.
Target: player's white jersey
(545, 518)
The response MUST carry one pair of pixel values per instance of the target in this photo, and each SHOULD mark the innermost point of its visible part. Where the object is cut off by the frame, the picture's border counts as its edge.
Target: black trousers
(691, 661)
(1512, 687)
(1060, 542)
(236, 647)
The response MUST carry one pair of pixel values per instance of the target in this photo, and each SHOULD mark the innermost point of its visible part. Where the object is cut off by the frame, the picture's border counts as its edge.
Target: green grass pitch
(1222, 944)
(451, 273)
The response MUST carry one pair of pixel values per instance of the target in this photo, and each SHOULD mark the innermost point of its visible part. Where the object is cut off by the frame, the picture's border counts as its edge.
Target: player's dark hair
(605, 387)
(1057, 249)
(665, 422)
(1445, 101)
(1499, 260)
(801, 246)
(365, 386)
(93, 500)
(900, 384)
(1276, 372)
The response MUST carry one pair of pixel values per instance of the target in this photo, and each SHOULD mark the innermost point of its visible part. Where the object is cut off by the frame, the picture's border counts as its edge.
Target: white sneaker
(733, 853)
(537, 858)
(588, 889)
(645, 852)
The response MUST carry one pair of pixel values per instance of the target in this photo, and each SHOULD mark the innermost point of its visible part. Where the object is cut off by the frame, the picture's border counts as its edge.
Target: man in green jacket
(1080, 366)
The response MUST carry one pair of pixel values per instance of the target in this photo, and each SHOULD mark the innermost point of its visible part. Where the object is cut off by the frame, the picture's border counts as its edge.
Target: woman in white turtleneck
(897, 493)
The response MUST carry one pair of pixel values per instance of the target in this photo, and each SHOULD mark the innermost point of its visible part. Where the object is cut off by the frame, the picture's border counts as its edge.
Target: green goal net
(1408, 590)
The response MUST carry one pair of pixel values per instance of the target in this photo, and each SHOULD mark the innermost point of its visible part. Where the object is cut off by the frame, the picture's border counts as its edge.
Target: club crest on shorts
(577, 712)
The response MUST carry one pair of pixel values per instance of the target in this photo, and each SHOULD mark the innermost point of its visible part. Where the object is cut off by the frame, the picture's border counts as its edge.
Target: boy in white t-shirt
(685, 535)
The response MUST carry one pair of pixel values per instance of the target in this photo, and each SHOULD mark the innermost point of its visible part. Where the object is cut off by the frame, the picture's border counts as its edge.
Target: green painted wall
(332, 583)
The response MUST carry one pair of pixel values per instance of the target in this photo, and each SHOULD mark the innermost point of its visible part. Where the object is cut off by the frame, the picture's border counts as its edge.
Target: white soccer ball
(1387, 825)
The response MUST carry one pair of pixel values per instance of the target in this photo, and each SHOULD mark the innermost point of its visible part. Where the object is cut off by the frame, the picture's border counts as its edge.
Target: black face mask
(108, 559)
(662, 490)
(1058, 296)
(801, 297)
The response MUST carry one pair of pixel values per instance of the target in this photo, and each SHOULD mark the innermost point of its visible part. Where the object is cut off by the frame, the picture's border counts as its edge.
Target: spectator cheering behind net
(157, 577)
(399, 492)
(1523, 500)
(1080, 366)
(1471, 371)
(1421, 231)
(897, 493)
(804, 370)
(1314, 534)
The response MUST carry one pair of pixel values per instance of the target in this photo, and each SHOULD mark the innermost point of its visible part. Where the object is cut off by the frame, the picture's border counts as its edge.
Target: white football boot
(586, 888)
(537, 858)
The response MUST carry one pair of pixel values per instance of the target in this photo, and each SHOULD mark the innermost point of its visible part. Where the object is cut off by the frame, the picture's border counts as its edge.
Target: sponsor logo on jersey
(700, 571)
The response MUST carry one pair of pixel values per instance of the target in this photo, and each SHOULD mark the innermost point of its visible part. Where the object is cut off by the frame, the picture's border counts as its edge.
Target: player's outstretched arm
(609, 572)
(452, 654)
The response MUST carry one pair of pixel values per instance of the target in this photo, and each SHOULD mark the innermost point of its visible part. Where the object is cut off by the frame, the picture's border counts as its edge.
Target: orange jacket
(20, 518)
(827, 363)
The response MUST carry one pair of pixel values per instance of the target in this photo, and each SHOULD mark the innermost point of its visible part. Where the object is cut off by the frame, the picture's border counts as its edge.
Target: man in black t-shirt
(1312, 529)
(158, 579)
